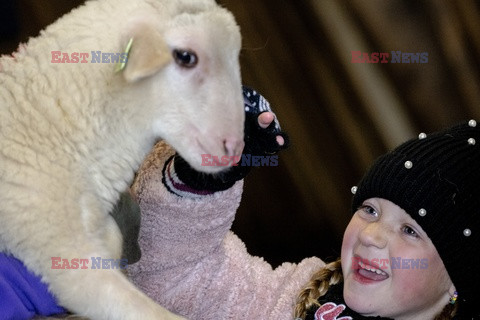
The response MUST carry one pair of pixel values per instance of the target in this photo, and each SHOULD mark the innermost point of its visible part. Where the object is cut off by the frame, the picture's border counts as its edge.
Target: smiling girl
(419, 202)
(378, 231)
(382, 229)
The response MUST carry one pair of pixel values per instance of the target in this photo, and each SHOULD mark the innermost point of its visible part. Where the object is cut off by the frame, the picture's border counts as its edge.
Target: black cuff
(209, 182)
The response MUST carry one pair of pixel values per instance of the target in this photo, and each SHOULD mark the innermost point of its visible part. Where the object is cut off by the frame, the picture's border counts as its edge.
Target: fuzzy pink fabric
(192, 263)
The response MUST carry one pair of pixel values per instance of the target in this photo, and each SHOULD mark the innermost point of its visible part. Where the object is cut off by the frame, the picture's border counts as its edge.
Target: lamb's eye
(185, 58)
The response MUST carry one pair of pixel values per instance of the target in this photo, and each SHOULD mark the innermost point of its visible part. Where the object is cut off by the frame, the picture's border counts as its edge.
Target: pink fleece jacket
(192, 263)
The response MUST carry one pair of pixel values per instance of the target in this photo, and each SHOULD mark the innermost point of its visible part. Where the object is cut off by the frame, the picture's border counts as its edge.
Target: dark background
(340, 115)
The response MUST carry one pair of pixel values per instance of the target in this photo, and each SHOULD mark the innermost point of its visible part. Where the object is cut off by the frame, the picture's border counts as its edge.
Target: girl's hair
(331, 274)
(318, 286)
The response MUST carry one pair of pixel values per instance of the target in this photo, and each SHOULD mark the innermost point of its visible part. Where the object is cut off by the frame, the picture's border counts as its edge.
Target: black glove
(258, 142)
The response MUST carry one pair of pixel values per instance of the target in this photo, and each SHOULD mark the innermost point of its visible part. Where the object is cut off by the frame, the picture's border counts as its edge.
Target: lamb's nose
(233, 146)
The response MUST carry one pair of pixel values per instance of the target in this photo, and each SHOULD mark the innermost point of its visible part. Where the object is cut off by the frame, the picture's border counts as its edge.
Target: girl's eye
(409, 231)
(368, 210)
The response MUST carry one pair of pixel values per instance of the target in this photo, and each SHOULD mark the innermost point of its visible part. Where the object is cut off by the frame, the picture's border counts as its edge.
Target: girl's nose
(374, 234)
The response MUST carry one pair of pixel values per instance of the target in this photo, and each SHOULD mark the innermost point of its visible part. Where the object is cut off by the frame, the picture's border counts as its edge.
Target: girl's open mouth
(365, 273)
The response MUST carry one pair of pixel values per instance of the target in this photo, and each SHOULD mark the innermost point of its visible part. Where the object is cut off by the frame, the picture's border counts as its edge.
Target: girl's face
(390, 266)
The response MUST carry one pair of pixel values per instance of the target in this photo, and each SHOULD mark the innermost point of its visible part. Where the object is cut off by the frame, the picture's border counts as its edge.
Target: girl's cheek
(410, 284)
(349, 239)
(352, 230)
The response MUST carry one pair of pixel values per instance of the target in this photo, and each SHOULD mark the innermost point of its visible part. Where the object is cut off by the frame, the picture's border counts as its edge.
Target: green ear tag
(121, 65)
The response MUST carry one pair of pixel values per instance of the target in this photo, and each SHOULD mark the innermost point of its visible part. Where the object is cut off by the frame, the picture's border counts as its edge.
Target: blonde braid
(318, 286)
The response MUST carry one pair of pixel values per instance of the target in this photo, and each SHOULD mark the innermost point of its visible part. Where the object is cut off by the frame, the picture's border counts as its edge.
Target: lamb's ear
(147, 53)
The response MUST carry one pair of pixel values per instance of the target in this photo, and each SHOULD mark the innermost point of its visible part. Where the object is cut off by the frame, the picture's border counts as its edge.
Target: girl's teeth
(370, 268)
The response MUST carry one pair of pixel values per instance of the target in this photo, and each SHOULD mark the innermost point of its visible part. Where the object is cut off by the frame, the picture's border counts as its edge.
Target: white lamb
(73, 131)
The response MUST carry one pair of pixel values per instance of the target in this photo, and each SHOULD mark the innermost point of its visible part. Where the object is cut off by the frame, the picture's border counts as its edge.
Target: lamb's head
(191, 68)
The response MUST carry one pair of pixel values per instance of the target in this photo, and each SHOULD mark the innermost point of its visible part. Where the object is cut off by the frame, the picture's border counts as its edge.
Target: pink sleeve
(193, 265)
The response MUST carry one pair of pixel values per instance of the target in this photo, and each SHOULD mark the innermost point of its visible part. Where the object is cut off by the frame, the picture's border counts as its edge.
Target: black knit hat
(436, 179)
